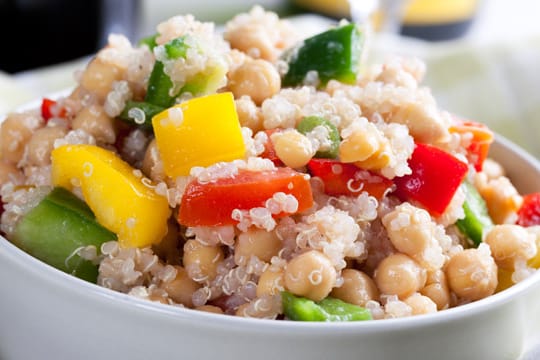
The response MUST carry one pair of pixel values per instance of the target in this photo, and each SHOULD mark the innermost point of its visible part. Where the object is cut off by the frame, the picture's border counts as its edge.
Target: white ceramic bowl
(47, 314)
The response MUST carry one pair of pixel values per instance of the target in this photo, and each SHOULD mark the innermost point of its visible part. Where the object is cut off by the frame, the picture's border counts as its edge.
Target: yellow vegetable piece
(535, 260)
(123, 202)
(199, 132)
(504, 280)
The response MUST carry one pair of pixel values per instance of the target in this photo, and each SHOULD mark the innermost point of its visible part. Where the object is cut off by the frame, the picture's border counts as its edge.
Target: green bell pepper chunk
(148, 109)
(309, 123)
(477, 219)
(149, 41)
(56, 228)
(333, 54)
(329, 309)
(160, 84)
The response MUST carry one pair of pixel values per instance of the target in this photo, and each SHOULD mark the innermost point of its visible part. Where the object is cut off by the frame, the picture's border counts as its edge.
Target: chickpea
(99, 77)
(95, 122)
(258, 242)
(293, 148)
(437, 289)
(360, 144)
(472, 273)
(311, 275)
(509, 243)
(181, 289)
(201, 261)
(358, 288)
(15, 132)
(270, 283)
(502, 199)
(253, 40)
(399, 275)
(210, 308)
(152, 165)
(406, 228)
(411, 231)
(424, 122)
(420, 304)
(249, 115)
(257, 79)
(9, 172)
(41, 144)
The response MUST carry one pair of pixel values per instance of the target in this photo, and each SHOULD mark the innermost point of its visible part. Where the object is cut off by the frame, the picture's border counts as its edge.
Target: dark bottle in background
(38, 33)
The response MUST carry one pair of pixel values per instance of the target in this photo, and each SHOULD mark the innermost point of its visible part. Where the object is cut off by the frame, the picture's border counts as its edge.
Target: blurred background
(483, 56)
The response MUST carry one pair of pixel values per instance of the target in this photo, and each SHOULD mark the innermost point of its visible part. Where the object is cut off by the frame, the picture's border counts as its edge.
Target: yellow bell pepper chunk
(504, 278)
(123, 202)
(199, 132)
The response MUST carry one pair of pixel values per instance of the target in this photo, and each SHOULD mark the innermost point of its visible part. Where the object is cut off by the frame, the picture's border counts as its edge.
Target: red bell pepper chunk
(212, 203)
(529, 212)
(478, 149)
(347, 179)
(436, 176)
(269, 150)
(48, 111)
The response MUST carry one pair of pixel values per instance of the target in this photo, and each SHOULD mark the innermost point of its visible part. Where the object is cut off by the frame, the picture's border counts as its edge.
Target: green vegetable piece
(176, 48)
(159, 87)
(56, 228)
(301, 309)
(333, 54)
(329, 309)
(477, 219)
(160, 84)
(339, 310)
(149, 110)
(331, 148)
(149, 41)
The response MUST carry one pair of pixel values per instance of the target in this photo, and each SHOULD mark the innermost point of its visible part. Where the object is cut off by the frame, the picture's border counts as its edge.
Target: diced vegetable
(57, 228)
(333, 54)
(347, 179)
(329, 309)
(436, 176)
(476, 219)
(478, 149)
(330, 142)
(149, 41)
(50, 108)
(535, 260)
(529, 212)
(504, 279)
(212, 203)
(123, 202)
(198, 132)
(162, 91)
(140, 113)
(159, 87)
(269, 149)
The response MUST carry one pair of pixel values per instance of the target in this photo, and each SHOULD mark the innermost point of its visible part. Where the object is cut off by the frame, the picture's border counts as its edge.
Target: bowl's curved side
(47, 314)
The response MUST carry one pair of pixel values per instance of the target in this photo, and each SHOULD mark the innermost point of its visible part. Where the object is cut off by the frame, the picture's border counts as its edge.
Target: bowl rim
(178, 314)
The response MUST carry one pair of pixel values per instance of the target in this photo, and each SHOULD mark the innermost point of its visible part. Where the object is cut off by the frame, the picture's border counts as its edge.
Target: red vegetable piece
(478, 149)
(347, 179)
(436, 176)
(529, 212)
(212, 203)
(269, 150)
(48, 109)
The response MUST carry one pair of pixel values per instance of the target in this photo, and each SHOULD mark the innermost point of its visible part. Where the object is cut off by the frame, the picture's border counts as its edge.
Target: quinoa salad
(256, 173)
